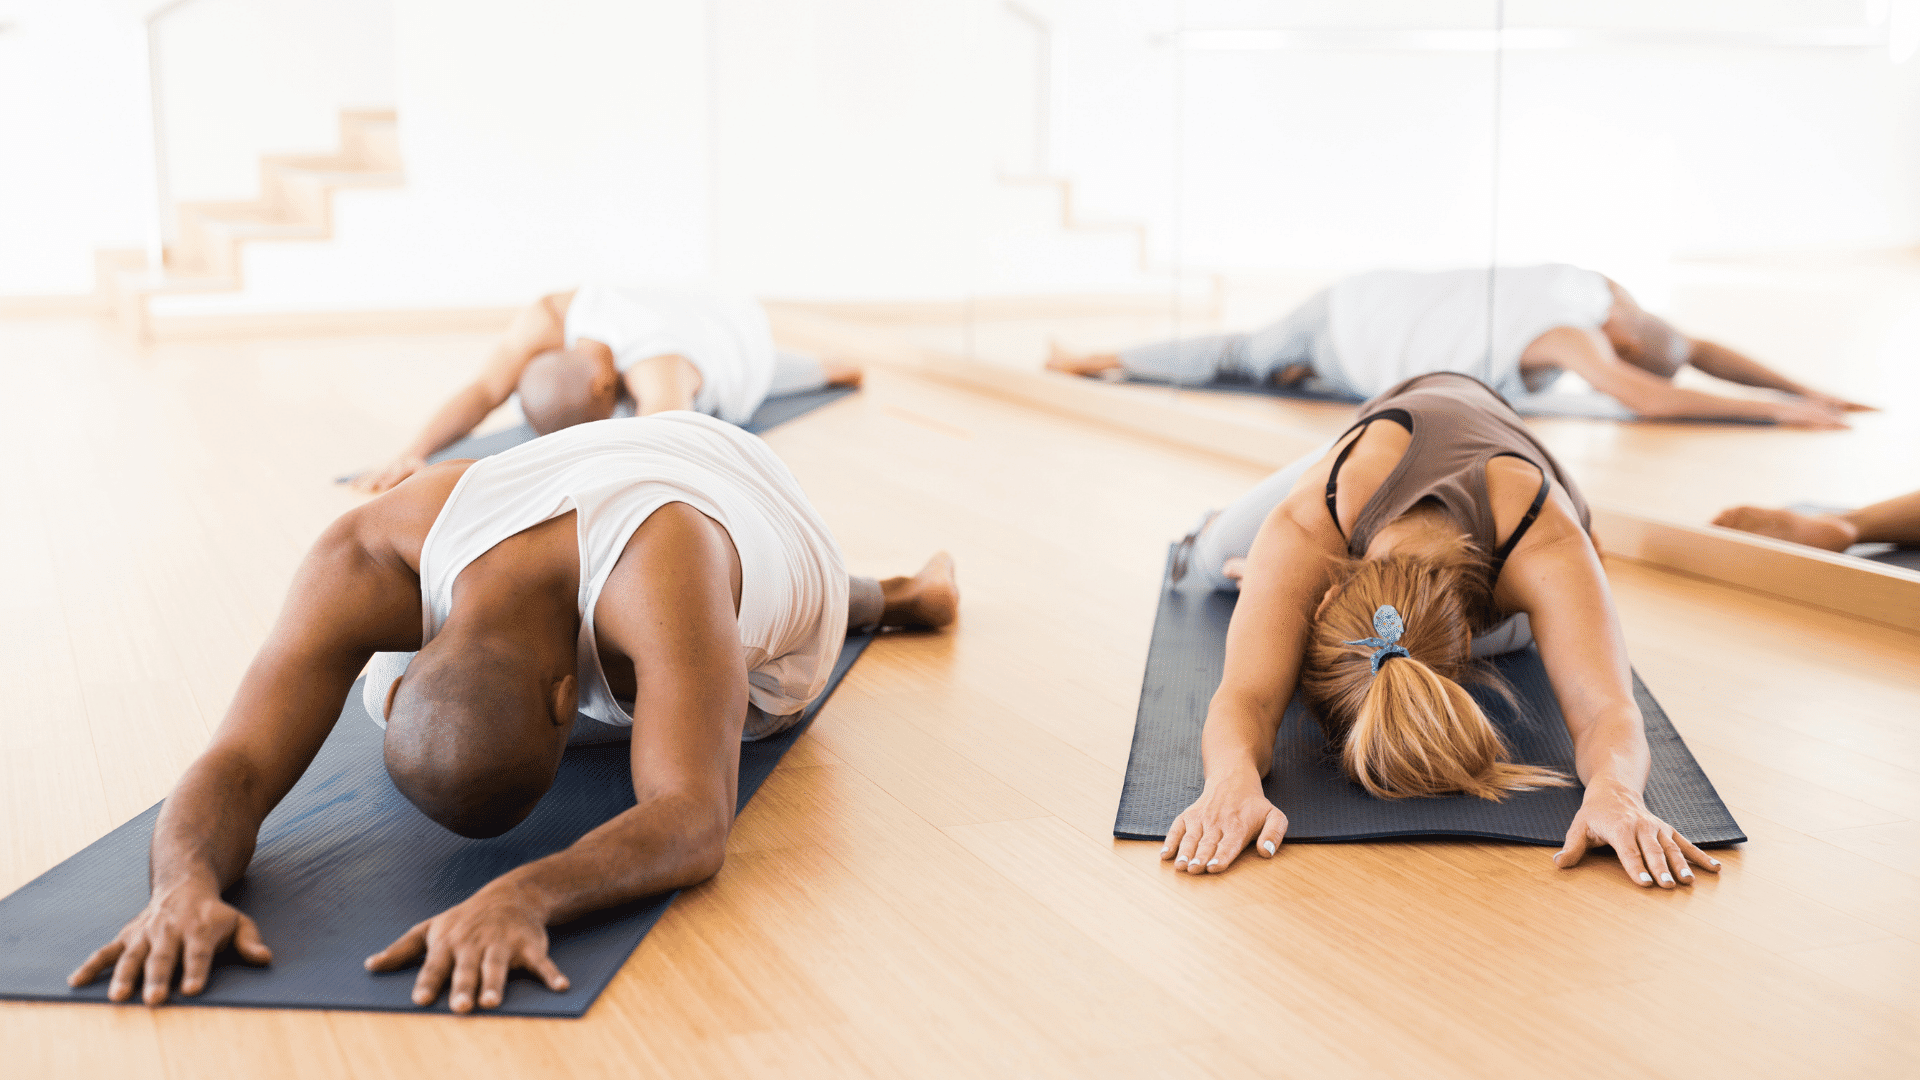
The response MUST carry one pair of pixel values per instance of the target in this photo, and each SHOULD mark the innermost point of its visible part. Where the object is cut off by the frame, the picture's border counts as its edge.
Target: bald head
(475, 732)
(564, 387)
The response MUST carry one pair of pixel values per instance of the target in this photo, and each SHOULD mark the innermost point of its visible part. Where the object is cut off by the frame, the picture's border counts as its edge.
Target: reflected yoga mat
(1183, 668)
(1592, 406)
(344, 866)
(772, 413)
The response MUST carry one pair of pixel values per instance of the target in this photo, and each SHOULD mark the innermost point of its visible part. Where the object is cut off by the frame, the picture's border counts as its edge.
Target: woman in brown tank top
(1434, 531)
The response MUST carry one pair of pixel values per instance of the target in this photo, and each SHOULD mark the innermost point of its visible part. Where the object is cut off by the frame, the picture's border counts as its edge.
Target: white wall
(68, 66)
(545, 142)
(1621, 155)
(243, 78)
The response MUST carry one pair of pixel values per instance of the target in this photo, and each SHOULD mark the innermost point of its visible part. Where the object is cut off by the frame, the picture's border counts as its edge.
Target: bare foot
(1093, 364)
(1826, 531)
(928, 600)
(841, 374)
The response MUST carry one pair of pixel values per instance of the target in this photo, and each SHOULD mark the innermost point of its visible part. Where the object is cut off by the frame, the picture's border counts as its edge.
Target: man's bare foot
(1828, 532)
(841, 374)
(928, 600)
(1092, 364)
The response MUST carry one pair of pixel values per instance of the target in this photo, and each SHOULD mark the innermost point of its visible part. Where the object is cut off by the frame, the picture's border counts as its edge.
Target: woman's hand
(1230, 812)
(182, 927)
(1649, 849)
(477, 943)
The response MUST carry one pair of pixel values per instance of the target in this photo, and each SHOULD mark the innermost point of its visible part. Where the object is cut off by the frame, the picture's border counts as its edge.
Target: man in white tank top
(664, 576)
(602, 351)
(1366, 333)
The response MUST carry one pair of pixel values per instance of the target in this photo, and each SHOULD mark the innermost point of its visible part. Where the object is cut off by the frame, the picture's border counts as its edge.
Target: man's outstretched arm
(1724, 363)
(670, 608)
(1590, 355)
(345, 603)
(538, 327)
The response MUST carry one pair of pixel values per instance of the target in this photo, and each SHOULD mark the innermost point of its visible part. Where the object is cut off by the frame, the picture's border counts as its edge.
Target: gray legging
(1230, 534)
(1304, 336)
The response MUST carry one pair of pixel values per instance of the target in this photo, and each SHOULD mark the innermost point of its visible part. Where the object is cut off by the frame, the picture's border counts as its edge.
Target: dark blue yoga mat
(1589, 406)
(1184, 663)
(772, 413)
(344, 866)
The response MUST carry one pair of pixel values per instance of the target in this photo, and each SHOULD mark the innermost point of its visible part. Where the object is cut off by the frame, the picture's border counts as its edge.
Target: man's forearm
(1679, 402)
(662, 844)
(1723, 363)
(208, 827)
(460, 415)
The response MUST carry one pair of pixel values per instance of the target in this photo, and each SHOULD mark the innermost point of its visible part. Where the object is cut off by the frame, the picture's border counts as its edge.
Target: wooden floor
(929, 886)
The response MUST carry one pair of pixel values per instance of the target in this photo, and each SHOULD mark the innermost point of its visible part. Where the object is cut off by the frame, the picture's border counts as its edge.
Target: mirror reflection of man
(1372, 331)
(599, 351)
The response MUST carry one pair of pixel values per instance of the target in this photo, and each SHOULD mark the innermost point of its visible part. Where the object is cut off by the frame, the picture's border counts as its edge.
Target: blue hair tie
(1388, 627)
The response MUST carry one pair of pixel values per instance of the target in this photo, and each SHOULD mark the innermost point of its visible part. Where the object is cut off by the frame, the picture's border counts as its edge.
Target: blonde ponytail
(1394, 705)
(1418, 733)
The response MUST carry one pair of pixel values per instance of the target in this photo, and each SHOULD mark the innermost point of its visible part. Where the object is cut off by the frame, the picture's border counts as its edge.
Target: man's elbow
(699, 839)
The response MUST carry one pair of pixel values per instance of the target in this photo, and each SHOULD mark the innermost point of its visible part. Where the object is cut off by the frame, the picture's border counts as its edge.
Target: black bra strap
(1398, 416)
(1526, 521)
(1333, 478)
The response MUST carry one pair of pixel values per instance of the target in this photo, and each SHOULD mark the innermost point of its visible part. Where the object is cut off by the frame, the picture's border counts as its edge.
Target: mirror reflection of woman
(1375, 576)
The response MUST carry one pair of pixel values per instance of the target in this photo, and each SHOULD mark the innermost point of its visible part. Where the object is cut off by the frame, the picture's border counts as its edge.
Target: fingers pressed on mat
(126, 973)
(493, 977)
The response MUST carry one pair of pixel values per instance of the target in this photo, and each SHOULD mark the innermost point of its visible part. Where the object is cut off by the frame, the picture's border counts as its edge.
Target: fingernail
(1646, 878)
(459, 1001)
(1686, 875)
(1269, 847)
(1213, 862)
(1164, 852)
(1666, 879)
(1179, 860)
(1715, 862)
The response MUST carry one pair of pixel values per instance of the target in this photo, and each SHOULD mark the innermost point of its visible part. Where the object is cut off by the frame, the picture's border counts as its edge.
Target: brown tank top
(1458, 424)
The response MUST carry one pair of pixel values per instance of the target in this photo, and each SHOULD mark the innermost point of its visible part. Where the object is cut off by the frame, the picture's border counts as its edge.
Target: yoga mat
(344, 866)
(1593, 406)
(1184, 663)
(771, 414)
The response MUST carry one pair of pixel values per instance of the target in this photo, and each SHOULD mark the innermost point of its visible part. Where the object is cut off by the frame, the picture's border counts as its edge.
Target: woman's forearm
(1613, 748)
(1237, 739)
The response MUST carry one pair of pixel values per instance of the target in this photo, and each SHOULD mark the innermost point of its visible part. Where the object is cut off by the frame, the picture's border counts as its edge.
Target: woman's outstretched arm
(1555, 576)
(1286, 573)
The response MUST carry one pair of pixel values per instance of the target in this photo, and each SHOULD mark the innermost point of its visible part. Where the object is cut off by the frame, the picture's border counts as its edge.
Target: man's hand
(1649, 849)
(184, 926)
(1808, 413)
(478, 942)
(1837, 404)
(1210, 834)
(375, 481)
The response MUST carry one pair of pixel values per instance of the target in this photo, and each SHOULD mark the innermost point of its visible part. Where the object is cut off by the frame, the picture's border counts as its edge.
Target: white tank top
(723, 335)
(1390, 325)
(614, 474)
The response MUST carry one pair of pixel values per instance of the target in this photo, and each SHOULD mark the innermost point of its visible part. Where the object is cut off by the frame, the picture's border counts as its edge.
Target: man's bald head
(475, 731)
(564, 387)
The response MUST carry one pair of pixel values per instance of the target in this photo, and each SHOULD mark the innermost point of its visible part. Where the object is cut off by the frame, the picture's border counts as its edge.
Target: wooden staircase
(295, 203)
